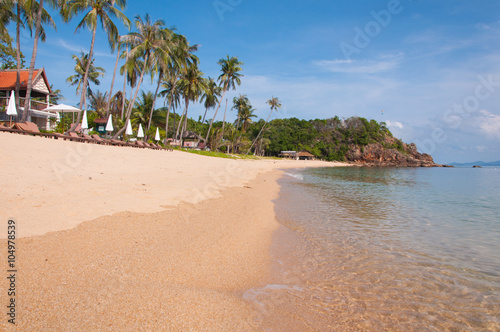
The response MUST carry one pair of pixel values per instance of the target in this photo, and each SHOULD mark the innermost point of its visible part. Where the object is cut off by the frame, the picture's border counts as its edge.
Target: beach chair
(140, 144)
(30, 128)
(100, 140)
(70, 136)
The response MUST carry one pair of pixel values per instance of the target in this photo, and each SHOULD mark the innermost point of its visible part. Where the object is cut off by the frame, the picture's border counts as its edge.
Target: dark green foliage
(328, 139)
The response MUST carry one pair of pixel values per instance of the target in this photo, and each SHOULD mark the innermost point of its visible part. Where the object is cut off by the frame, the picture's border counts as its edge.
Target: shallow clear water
(385, 249)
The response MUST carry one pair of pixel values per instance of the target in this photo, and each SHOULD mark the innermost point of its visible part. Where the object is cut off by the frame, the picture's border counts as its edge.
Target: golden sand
(171, 241)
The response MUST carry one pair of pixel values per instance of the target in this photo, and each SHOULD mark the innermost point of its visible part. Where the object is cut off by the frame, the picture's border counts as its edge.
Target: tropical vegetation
(167, 57)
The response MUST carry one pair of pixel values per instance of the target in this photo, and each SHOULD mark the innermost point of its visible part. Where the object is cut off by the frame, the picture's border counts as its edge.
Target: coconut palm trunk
(18, 55)
(224, 121)
(108, 105)
(260, 132)
(216, 110)
(160, 77)
(85, 79)
(183, 116)
(29, 87)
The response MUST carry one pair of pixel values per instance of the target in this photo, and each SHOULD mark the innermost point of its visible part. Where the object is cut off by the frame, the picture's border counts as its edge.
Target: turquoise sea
(385, 249)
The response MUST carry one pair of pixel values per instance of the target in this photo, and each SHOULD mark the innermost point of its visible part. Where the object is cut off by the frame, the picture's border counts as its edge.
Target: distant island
(477, 163)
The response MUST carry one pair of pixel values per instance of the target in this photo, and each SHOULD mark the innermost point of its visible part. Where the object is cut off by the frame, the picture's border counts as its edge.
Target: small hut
(304, 155)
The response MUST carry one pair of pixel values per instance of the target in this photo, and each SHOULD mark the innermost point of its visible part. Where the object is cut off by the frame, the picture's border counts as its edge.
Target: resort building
(40, 97)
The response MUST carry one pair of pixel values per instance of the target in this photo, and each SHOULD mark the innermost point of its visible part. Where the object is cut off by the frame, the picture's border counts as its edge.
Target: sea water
(395, 249)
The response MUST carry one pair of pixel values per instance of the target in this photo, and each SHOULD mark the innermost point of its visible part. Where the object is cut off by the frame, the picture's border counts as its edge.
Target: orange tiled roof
(8, 78)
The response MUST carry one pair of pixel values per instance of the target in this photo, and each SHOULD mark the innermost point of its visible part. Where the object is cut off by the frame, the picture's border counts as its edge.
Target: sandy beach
(133, 239)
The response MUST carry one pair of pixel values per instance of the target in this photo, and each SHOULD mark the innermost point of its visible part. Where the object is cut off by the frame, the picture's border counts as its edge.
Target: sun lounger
(71, 136)
(100, 140)
(30, 128)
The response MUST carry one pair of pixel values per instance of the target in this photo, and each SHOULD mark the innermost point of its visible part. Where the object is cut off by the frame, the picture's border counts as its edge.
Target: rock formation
(404, 155)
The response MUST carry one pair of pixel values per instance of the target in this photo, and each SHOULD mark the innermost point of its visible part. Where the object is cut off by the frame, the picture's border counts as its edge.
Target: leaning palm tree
(148, 42)
(95, 11)
(35, 10)
(275, 103)
(81, 64)
(229, 78)
(192, 85)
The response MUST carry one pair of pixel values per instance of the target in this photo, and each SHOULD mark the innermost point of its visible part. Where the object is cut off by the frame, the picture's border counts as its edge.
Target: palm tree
(159, 64)
(192, 85)
(148, 42)
(56, 95)
(140, 112)
(180, 59)
(275, 103)
(31, 8)
(230, 76)
(131, 71)
(246, 116)
(82, 63)
(239, 104)
(210, 96)
(173, 93)
(95, 10)
(98, 102)
(6, 14)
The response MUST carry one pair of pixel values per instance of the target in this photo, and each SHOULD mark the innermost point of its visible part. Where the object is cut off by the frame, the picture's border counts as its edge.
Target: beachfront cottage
(40, 96)
(302, 155)
(190, 140)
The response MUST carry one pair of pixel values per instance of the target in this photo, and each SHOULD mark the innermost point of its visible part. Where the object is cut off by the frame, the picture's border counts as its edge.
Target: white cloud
(77, 49)
(489, 124)
(395, 124)
(69, 47)
(360, 67)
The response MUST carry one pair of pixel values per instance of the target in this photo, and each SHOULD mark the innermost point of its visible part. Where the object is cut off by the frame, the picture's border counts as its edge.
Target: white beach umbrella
(140, 133)
(11, 108)
(157, 136)
(62, 108)
(128, 130)
(85, 124)
(109, 125)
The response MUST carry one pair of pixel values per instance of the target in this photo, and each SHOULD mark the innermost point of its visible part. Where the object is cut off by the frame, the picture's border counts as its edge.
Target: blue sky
(431, 66)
